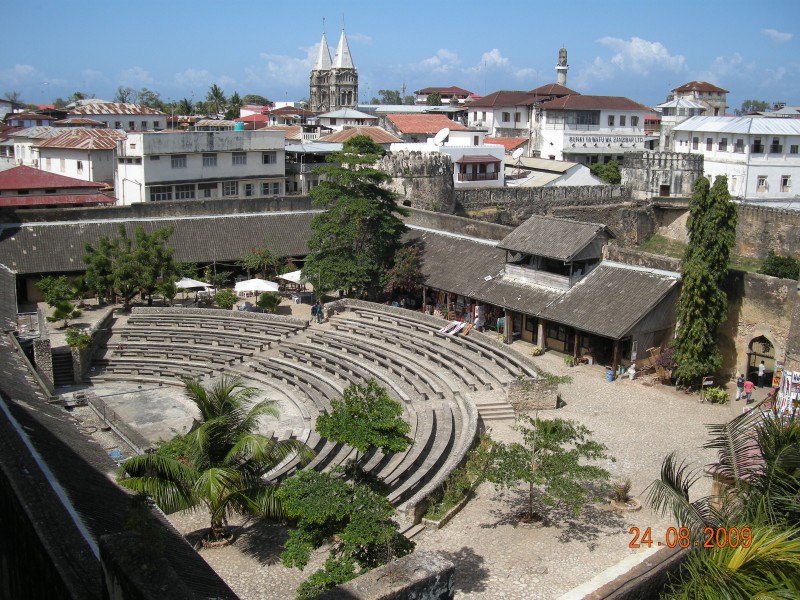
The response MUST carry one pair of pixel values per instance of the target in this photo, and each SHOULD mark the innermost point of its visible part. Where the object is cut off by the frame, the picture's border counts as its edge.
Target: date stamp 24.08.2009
(683, 537)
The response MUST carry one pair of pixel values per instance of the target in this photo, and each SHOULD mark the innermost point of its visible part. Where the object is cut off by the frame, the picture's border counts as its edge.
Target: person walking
(761, 370)
(748, 391)
(739, 386)
(318, 311)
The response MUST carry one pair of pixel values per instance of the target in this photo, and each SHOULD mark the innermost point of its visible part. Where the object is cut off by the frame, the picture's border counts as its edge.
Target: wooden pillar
(508, 327)
(424, 299)
(615, 359)
(540, 334)
(447, 305)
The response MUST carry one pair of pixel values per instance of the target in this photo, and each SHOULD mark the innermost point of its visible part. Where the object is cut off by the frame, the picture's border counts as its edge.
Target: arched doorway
(760, 348)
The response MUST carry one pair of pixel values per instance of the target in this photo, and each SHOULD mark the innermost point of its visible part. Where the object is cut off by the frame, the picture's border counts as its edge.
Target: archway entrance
(760, 348)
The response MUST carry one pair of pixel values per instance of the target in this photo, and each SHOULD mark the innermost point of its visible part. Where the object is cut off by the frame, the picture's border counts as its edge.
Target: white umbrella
(187, 283)
(294, 276)
(256, 285)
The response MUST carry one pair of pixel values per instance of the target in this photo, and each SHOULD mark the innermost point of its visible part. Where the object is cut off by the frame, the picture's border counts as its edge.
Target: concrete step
(413, 530)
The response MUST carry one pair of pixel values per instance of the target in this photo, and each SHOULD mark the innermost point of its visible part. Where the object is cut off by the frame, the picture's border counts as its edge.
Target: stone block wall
(43, 357)
(646, 172)
(532, 394)
(82, 359)
(460, 225)
(422, 180)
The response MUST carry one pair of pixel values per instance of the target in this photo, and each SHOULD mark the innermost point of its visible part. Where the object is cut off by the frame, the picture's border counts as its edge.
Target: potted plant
(569, 360)
(621, 498)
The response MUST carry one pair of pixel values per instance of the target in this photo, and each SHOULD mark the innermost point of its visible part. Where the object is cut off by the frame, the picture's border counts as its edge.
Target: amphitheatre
(450, 387)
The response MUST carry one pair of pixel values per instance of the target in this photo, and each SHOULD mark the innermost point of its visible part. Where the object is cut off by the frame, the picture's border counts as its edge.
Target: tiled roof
(85, 139)
(8, 299)
(504, 98)
(254, 118)
(26, 116)
(611, 299)
(77, 121)
(54, 199)
(510, 144)
(114, 108)
(377, 134)
(477, 159)
(28, 178)
(444, 90)
(424, 124)
(58, 247)
(561, 239)
(699, 86)
(290, 132)
(581, 102)
(40, 132)
(553, 89)
(292, 110)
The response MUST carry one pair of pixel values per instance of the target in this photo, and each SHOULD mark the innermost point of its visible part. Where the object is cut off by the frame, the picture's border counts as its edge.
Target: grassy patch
(554, 379)
(750, 264)
(658, 244)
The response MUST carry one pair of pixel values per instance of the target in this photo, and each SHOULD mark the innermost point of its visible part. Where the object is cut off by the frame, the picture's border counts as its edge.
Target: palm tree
(216, 98)
(185, 107)
(224, 461)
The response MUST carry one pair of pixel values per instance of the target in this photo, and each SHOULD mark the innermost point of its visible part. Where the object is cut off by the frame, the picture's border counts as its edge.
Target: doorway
(760, 348)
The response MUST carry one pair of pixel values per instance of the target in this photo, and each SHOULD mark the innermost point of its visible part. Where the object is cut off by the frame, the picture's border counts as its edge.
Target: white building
(346, 117)
(674, 113)
(759, 155)
(590, 129)
(541, 172)
(25, 140)
(125, 116)
(154, 167)
(80, 153)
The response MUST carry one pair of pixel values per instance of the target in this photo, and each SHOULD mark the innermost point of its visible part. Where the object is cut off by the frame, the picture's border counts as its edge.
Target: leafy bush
(268, 302)
(667, 358)
(608, 172)
(780, 266)
(716, 395)
(461, 481)
(569, 360)
(621, 489)
(226, 299)
(78, 339)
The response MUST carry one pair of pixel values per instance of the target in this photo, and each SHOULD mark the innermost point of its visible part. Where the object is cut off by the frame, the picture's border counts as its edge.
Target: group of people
(745, 387)
(317, 312)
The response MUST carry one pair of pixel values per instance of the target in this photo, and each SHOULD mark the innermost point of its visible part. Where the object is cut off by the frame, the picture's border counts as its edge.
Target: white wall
(96, 165)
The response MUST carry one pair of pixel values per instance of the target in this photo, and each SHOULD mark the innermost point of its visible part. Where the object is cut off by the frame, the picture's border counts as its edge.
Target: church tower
(333, 83)
(562, 67)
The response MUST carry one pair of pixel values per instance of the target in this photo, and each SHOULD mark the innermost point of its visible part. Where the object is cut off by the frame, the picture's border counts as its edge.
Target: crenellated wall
(422, 180)
(646, 172)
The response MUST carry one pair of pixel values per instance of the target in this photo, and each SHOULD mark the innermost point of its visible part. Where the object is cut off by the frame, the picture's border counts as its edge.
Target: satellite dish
(517, 153)
(440, 137)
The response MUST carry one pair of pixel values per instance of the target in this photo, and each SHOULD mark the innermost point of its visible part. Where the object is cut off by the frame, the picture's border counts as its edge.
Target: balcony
(757, 149)
(477, 176)
(545, 278)
(776, 149)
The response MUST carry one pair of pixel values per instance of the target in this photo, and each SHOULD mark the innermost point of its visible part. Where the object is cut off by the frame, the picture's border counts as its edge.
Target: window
(209, 189)
(184, 192)
(695, 142)
(786, 183)
(264, 189)
(757, 147)
(622, 120)
(50, 191)
(557, 332)
(178, 161)
(209, 160)
(775, 147)
(144, 125)
(155, 157)
(269, 158)
(723, 144)
(634, 121)
(506, 117)
(276, 188)
(80, 166)
(761, 186)
(230, 188)
(248, 189)
(133, 146)
(117, 125)
(46, 164)
(610, 120)
(709, 144)
(239, 158)
(160, 192)
(131, 125)
(739, 147)
(793, 149)
(483, 115)
(474, 116)
(333, 121)
(517, 117)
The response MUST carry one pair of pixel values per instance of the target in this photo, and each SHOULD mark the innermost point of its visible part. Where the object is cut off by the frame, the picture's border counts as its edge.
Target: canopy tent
(187, 283)
(294, 277)
(256, 285)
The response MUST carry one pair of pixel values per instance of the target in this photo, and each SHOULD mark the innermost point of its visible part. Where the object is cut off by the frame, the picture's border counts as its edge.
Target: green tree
(549, 458)
(185, 107)
(168, 290)
(100, 268)
(78, 339)
(405, 274)
(149, 98)
(268, 302)
(355, 239)
(225, 459)
(702, 304)
(80, 289)
(326, 506)
(751, 106)
(124, 94)
(13, 96)
(433, 99)
(225, 299)
(255, 99)
(608, 172)
(234, 106)
(261, 260)
(55, 289)
(389, 97)
(786, 267)
(366, 417)
(78, 96)
(216, 99)
(156, 260)
(64, 311)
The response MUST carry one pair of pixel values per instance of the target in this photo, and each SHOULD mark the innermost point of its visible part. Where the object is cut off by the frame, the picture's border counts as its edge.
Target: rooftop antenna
(441, 136)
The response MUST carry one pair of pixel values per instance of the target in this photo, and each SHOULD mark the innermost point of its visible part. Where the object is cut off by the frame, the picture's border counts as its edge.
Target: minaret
(562, 67)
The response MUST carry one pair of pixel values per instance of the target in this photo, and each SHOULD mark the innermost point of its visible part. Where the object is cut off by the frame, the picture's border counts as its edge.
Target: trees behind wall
(702, 305)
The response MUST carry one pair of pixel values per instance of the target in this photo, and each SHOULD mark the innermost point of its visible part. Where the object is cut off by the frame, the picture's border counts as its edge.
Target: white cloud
(284, 70)
(640, 56)
(777, 36)
(198, 80)
(723, 67)
(359, 38)
(599, 70)
(19, 74)
(524, 74)
(444, 61)
(135, 76)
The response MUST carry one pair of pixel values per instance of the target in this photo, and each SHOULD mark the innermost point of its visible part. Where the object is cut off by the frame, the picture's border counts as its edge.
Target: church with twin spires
(334, 83)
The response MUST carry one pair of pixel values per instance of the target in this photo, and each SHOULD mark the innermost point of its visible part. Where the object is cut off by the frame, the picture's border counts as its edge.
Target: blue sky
(639, 49)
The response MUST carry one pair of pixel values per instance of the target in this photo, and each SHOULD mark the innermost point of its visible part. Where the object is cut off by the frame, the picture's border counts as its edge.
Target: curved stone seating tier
(231, 320)
(221, 356)
(199, 337)
(134, 368)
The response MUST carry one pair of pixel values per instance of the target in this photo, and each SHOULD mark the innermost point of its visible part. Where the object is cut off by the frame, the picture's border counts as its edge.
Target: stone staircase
(492, 406)
(63, 372)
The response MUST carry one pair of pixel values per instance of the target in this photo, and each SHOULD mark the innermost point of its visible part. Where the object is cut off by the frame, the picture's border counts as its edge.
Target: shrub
(716, 395)
(537, 351)
(569, 360)
(667, 358)
(268, 302)
(621, 489)
(780, 266)
(78, 339)
(225, 299)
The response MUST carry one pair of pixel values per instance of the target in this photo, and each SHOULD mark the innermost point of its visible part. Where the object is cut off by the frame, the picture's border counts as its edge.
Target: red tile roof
(504, 98)
(581, 102)
(291, 110)
(254, 118)
(424, 124)
(27, 116)
(85, 139)
(28, 178)
(444, 90)
(510, 144)
(290, 132)
(15, 201)
(77, 121)
(699, 86)
(377, 134)
(553, 89)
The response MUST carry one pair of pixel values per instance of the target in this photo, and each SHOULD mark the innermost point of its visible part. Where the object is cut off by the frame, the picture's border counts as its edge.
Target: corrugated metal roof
(377, 134)
(510, 144)
(114, 108)
(743, 125)
(28, 178)
(477, 158)
(611, 299)
(40, 132)
(581, 102)
(424, 124)
(561, 239)
(58, 247)
(85, 139)
(347, 113)
(77, 121)
(680, 103)
(8, 299)
(553, 89)
(55, 199)
(504, 98)
(544, 164)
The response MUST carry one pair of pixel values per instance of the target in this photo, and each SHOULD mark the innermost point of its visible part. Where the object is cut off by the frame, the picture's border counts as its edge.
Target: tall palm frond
(168, 481)
(738, 453)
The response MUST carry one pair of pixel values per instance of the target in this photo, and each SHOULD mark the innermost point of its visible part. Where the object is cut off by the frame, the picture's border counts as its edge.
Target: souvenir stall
(787, 396)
